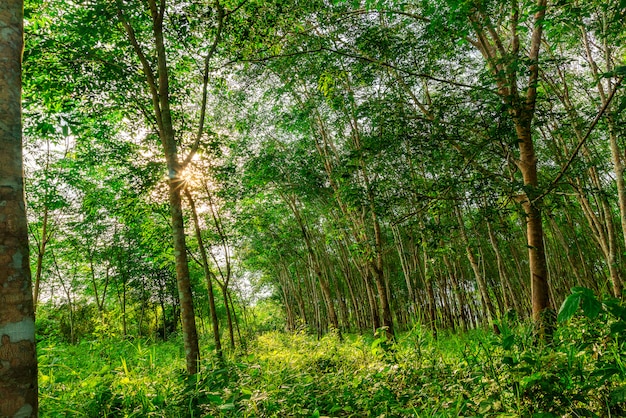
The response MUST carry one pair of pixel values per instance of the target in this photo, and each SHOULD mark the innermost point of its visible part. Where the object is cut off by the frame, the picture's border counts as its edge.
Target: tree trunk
(314, 261)
(158, 84)
(18, 362)
(208, 275)
(41, 250)
(379, 274)
(458, 294)
(229, 318)
(504, 280)
(480, 280)
(534, 235)
(504, 65)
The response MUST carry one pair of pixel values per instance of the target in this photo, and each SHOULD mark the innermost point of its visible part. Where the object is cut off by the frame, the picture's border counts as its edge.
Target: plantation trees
(18, 364)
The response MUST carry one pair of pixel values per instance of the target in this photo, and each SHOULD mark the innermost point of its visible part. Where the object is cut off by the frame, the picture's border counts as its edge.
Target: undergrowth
(581, 372)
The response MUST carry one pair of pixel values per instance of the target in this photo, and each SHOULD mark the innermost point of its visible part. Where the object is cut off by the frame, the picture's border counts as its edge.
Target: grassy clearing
(581, 373)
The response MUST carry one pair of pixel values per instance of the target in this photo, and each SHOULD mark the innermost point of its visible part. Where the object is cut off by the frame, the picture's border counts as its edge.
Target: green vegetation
(313, 207)
(581, 372)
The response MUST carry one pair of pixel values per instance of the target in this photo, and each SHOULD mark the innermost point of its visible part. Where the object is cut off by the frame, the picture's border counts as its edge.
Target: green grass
(581, 373)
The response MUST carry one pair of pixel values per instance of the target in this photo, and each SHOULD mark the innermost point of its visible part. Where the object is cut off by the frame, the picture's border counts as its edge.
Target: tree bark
(18, 361)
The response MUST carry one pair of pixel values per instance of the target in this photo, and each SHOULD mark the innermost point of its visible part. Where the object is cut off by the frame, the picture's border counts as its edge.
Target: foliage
(359, 163)
(580, 373)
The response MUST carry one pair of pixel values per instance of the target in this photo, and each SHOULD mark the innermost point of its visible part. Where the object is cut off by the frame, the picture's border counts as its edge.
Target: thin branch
(147, 68)
(533, 55)
(396, 68)
(205, 82)
(581, 142)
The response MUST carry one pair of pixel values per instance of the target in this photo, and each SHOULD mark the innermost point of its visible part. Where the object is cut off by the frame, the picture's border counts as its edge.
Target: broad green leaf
(591, 306)
(569, 307)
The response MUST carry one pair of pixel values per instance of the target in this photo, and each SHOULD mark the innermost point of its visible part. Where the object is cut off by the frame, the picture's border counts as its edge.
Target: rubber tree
(155, 65)
(504, 54)
(18, 362)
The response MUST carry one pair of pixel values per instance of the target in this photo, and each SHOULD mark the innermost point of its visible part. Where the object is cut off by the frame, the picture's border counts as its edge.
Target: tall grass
(580, 373)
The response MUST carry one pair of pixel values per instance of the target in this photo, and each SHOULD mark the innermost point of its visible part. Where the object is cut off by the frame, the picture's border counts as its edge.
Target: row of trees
(375, 163)
(445, 162)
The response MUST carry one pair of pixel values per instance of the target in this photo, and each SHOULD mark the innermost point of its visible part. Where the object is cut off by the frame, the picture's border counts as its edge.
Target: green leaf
(620, 70)
(591, 306)
(569, 307)
(508, 342)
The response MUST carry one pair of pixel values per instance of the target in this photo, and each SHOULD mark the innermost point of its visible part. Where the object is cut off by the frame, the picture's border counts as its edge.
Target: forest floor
(582, 372)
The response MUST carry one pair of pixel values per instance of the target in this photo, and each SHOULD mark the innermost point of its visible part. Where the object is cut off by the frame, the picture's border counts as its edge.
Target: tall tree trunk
(158, 84)
(208, 275)
(480, 279)
(314, 261)
(504, 279)
(41, 250)
(229, 318)
(190, 335)
(405, 267)
(379, 274)
(458, 293)
(504, 65)
(18, 375)
(616, 151)
(534, 235)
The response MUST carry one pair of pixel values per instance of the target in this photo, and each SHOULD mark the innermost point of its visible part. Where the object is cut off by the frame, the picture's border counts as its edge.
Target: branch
(205, 82)
(147, 69)
(394, 67)
(581, 142)
(533, 55)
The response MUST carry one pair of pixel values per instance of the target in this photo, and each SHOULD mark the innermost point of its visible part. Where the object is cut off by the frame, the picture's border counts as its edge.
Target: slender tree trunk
(616, 151)
(379, 275)
(158, 84)
(208, 275)
(142, 311)
(601, 225)
(236, 320)
(346, 268)
(92, 275)
(566, 250)
(314, 261)
(373, 305)
(428, 283)
(229, 318)
(456, 289)
(41, 250)
(504, 279)
(536, 250)
(121, 300)
(480, 280)
(504, 64)
(405, 267)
